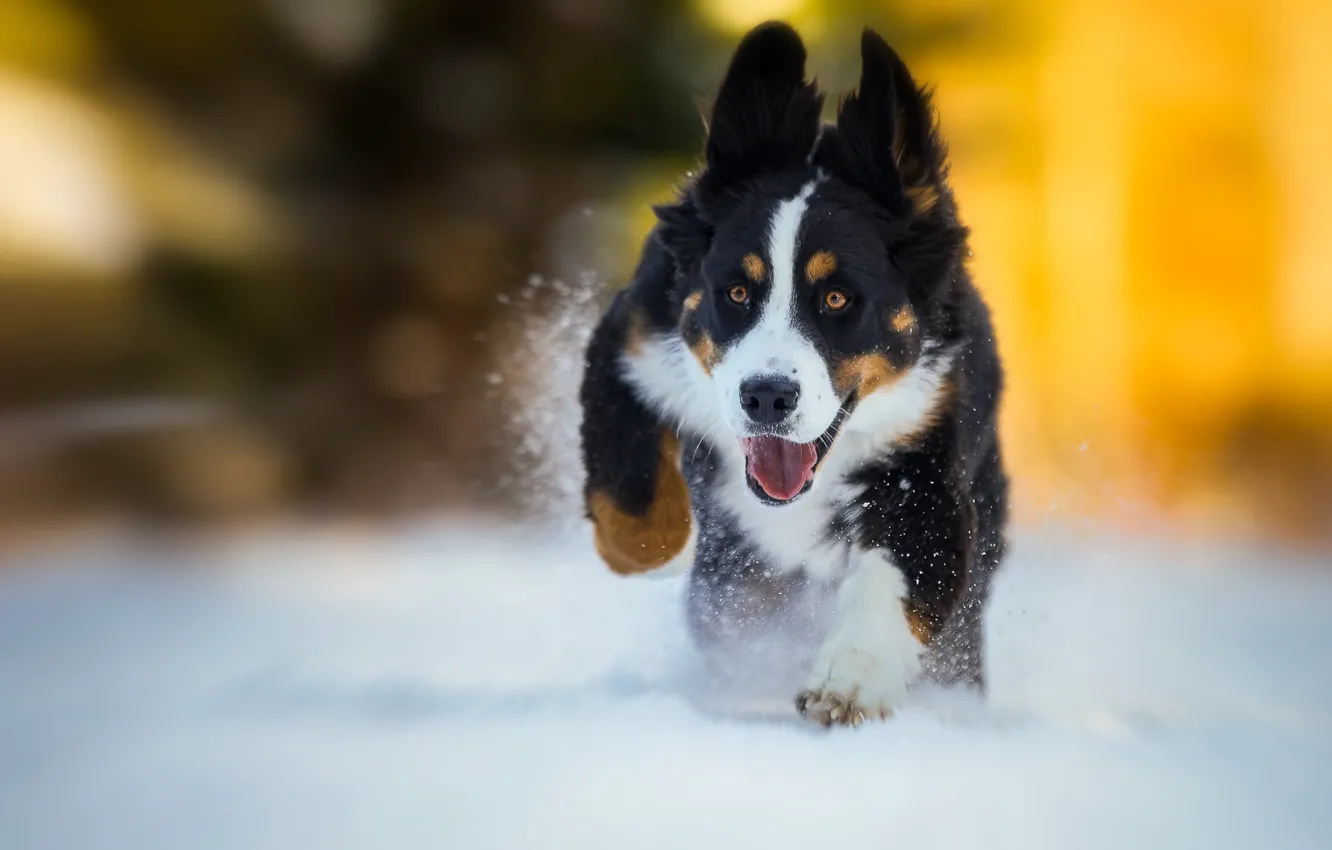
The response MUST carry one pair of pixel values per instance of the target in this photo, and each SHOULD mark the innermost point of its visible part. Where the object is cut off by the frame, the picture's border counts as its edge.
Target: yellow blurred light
(89, 185)
(736, 16)
(44, 36)
(66, 205)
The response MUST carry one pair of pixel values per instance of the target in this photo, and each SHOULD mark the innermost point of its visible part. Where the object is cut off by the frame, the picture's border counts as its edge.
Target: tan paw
(827, 708)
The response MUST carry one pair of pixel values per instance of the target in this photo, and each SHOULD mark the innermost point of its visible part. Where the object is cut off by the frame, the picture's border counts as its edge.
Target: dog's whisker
(706, 434)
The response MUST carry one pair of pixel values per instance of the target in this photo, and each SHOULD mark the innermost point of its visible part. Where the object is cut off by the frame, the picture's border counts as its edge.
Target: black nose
(769, 399)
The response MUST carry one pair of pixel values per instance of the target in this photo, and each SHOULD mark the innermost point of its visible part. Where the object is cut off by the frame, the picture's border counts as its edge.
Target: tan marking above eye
(836, 300)
(820, 266)
(904, 319)
(754, 267)
(738, 293)
(692, 300)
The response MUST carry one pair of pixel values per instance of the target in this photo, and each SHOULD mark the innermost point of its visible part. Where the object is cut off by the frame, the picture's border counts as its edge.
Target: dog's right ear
(766, 116)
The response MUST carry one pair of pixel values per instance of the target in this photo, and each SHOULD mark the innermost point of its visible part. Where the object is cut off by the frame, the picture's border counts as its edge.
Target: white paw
(866, 666)
(853, 685)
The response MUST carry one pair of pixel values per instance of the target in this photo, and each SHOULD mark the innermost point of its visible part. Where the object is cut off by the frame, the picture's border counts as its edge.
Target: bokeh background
(283, 258)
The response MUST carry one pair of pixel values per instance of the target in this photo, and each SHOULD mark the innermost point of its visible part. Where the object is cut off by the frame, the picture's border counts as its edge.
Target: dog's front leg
(871, 655)
(635, 494)
(903, 585)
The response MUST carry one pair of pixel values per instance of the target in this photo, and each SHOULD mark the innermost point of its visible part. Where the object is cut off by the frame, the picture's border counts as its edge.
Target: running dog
(797, 392)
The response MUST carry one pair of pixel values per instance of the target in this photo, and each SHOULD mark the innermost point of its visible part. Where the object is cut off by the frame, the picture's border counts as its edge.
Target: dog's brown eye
(835, 299)
(738, 293)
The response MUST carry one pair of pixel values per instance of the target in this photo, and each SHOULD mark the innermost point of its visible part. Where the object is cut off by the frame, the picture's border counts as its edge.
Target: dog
(797, 393)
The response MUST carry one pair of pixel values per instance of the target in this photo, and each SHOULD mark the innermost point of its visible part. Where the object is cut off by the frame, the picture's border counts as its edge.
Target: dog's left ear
(887, 144)
(887, 140)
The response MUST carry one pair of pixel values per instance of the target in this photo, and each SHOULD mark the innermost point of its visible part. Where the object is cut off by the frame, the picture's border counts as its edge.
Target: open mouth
(779, 471)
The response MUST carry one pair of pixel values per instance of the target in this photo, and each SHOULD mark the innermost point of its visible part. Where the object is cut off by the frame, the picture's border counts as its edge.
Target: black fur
(938, 501)
(766, 117)
(620, 436)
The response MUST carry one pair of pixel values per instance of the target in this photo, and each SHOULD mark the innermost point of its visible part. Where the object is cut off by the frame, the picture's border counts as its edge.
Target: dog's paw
(851, 684)
(828, 708)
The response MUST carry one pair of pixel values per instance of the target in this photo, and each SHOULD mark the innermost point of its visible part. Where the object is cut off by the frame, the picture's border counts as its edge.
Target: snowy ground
(461, 689)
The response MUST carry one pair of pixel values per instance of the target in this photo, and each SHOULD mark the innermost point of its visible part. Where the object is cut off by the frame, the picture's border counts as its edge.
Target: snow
(473, 686)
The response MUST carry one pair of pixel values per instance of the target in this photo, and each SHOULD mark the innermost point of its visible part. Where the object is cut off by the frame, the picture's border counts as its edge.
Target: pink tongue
(779, 466)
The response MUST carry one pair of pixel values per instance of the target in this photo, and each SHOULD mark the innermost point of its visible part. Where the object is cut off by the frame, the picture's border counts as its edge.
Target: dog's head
(812, 259)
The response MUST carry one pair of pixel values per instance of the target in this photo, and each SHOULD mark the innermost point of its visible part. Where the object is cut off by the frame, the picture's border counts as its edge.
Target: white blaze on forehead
(783, 244)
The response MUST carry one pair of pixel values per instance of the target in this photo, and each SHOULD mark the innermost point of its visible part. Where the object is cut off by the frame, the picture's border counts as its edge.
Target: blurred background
(264, 259)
